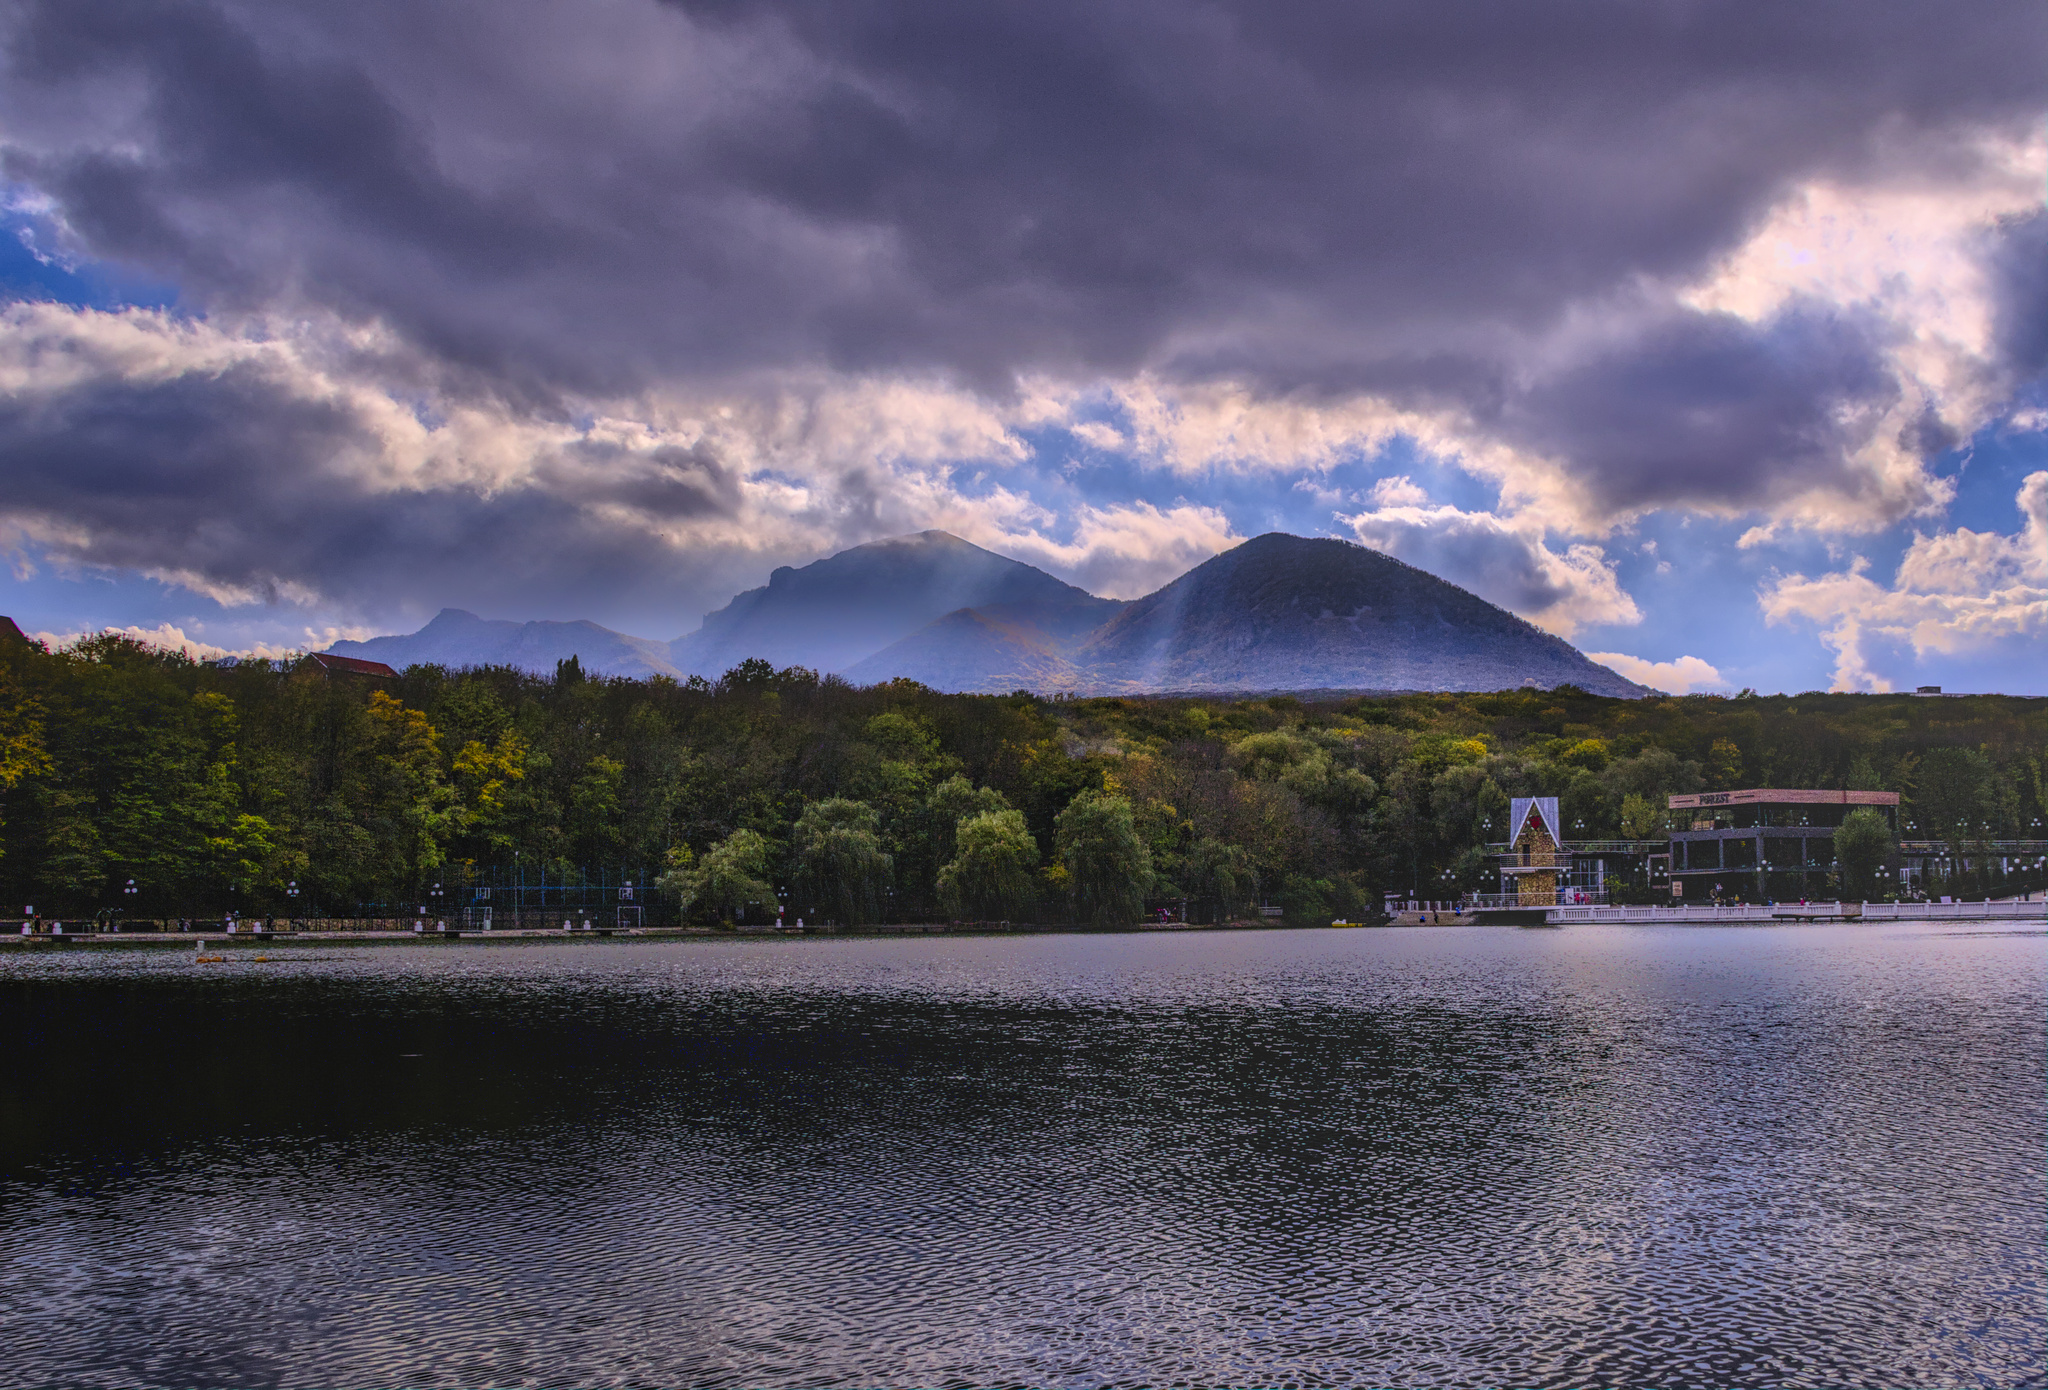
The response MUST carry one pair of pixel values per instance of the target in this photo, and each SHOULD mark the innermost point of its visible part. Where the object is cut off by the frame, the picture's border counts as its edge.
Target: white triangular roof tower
(1543, 806)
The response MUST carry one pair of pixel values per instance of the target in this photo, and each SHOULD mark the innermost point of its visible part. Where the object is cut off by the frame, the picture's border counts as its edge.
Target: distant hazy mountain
(831, 614)
(994, 650)
(1276, 613)
(457, 639)
(1282, 612)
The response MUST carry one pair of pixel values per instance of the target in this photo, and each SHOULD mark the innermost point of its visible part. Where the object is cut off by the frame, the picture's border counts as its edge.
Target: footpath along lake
(1598, 1155)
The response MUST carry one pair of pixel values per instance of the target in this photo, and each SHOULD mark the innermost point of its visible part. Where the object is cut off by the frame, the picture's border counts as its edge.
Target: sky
(1711, 337)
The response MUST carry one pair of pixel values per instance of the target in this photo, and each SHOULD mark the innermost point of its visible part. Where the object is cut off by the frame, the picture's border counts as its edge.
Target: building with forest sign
(1763, 842)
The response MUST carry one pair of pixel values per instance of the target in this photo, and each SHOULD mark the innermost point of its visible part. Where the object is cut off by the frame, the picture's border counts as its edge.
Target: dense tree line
(214, 787)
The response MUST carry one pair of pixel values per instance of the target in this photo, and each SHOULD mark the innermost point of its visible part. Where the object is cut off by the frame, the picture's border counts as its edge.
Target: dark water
(1616, 1156)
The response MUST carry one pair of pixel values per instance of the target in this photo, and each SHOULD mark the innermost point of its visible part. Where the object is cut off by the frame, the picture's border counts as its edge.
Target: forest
(136, 779)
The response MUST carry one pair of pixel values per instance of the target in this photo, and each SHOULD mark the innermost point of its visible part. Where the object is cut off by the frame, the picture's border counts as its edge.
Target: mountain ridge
(832, 613)
(1276, 612)
(456, 637)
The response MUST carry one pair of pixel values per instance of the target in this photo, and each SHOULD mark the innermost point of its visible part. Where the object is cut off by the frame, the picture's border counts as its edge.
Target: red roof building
(352, 666)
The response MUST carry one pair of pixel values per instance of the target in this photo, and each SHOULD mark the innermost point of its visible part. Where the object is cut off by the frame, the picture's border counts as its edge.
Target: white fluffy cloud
(1123, 551)
(1805, 379)
(1907, 253)
(1955, 592)
(1499, 560)
(1398, 491)
(1680, 677)
(172, 638)
(228, 460)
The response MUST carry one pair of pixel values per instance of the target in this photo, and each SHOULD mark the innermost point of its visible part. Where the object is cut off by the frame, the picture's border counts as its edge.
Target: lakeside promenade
(2017, 910)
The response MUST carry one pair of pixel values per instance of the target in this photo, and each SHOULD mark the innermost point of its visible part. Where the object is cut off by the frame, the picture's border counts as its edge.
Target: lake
(1454, 1156)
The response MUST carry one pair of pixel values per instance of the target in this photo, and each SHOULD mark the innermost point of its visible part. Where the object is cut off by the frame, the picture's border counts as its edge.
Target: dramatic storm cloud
(333, 314)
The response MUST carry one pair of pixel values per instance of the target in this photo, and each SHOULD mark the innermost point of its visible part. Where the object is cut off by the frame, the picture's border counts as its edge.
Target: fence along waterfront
(1767, 912)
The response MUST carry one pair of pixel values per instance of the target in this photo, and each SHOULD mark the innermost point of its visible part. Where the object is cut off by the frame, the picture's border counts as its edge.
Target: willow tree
(732, 876)
(841, 867)
(1108, 868)
(989, 878)
(1863, 843)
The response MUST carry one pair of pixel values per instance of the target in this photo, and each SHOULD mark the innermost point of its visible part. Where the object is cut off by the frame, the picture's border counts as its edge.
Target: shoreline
(2011, 911)
(217, 939)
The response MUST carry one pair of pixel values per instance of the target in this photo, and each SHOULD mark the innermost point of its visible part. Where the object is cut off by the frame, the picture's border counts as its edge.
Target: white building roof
(1545, 808)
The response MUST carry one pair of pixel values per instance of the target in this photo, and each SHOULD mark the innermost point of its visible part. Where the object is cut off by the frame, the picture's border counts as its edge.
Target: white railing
(1767, 912)
(1963, 911)
(1587, 897)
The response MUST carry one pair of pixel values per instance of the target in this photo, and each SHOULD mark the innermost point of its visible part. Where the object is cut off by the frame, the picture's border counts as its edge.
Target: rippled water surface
(1681, 1156)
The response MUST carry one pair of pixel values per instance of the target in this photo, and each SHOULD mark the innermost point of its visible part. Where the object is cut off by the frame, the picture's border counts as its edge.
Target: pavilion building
(1764, 842)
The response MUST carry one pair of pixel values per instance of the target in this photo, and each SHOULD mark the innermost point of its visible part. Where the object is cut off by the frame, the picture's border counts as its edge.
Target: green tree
(1724, 765)
(74, 859)
(1863, 845)
(22, 753)
(1307, 901)
(840, 864)
(1108, 868)
(732, 876)
(1640, 819)
(1490, 814)
(243, 855)
(594, 810)
(990, 876)
(485, 777)
(1220, 875)
(1475, 871)
(1652, 774)
(1590, 754)
(1954, 799)
(953, 801)
(415, 807)
(1954, 796)
(1305, 768)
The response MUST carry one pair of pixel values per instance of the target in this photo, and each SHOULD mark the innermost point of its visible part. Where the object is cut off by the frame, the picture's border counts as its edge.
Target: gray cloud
(236, 482)
(531, 207)
(1514, 569)
(2018, 257)
(1708, 409)
(1331, 197)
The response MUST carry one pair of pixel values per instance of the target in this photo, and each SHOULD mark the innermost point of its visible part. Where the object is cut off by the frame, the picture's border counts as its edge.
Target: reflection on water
(1682, 1156)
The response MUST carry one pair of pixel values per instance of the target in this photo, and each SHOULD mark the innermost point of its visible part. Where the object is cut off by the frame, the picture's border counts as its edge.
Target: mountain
(1283, 612)
(831, 614)
(1277, 613)
(457, 639)
(994, 650)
